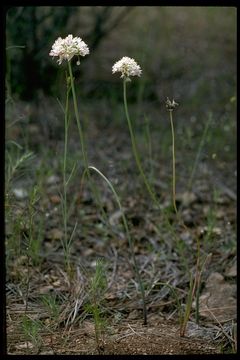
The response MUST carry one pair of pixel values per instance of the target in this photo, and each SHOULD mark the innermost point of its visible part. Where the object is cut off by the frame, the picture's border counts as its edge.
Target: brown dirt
(159, 337)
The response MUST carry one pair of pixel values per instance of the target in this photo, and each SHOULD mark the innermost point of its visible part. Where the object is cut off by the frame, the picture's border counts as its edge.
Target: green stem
(77, 118)
(64, 171)
(137, 272)
(188, 308)
(134, 147)
(173, 164)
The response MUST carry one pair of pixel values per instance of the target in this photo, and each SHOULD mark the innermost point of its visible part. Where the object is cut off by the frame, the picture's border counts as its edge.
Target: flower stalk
(64, 205)
(170, 105)
(75, 104)
(173, 164)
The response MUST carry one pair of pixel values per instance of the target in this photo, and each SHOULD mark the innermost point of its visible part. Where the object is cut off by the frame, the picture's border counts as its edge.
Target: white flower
(66, 48)
(128, 67)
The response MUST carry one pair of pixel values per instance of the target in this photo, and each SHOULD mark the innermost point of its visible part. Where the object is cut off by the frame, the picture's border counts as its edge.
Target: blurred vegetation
(185, 52)
(38, 27)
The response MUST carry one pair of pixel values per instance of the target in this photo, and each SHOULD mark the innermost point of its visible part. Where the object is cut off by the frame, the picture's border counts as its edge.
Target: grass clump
(98, 287)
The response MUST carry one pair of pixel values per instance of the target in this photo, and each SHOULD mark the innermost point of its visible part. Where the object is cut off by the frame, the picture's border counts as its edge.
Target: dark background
(186, 52)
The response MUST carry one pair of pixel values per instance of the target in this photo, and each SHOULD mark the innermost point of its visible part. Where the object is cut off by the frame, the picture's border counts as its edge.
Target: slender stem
(28, 281)
(173, 164)
(77, 117)
(188, 308)
(64, 173)
(134, 147)
(199, 283)
(137, 272)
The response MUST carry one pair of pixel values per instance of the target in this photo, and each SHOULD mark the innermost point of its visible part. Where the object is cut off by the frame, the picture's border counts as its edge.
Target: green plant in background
(53, 308)
(208, 230)
(98, 286)
(31, 329)
(38, 23)
(16, 165)
(8, 73)
(33, 238)
(13, 235)
(32, 243)
(199, 150)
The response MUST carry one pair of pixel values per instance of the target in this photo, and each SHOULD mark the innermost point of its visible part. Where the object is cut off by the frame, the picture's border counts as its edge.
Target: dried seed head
(170, 105)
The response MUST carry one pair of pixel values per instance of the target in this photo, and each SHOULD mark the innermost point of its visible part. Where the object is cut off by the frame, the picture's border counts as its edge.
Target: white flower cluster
(128, 67)
(66, 48)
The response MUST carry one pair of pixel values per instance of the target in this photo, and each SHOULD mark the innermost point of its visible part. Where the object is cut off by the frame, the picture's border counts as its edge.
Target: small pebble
(20, 194)
(53, 179)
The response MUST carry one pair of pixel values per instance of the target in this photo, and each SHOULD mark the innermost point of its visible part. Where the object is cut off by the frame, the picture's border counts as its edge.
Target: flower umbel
(128, 67)
(170, 105)
(66, 48)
